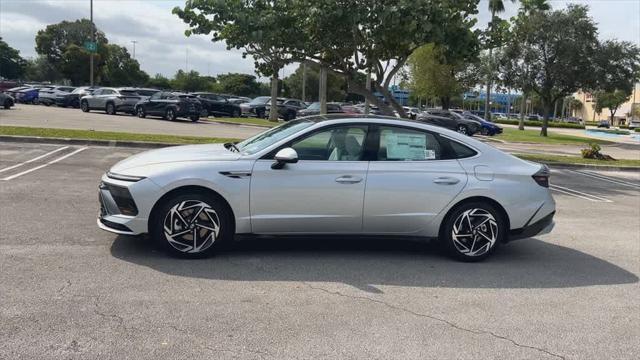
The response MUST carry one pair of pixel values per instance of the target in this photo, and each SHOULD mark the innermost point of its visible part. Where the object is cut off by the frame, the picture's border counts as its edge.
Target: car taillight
(542, 176)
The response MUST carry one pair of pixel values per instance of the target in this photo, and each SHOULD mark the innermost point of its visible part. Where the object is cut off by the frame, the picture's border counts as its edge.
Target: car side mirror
(283, 157)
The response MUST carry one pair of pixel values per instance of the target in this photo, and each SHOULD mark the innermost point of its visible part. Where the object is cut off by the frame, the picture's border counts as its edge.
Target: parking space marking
(607, 178)
(44, 165)
(578, 194)
(34, 159)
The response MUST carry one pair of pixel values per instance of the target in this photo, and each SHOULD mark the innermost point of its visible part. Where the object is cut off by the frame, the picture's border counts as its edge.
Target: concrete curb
(84, 142)
(155, 145)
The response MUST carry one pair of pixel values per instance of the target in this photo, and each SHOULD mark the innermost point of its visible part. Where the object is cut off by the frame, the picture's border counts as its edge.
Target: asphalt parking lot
(71, 291)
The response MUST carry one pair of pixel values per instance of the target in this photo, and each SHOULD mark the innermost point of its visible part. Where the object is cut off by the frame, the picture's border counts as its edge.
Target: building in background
(623, 114)
(400, 95)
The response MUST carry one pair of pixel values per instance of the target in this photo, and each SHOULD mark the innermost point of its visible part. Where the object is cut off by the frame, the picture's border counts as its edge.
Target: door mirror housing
(283, 157)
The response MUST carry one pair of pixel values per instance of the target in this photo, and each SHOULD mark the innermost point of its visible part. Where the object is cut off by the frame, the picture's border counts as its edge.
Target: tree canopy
(12, 65)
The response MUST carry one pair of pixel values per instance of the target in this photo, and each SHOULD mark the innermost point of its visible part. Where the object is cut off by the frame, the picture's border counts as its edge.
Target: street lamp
(134, 42)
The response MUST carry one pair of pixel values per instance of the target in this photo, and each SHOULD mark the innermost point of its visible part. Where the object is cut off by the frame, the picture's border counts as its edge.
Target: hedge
(539, 123)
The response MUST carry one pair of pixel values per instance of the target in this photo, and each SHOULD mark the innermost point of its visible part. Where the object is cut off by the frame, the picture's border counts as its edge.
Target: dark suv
(170, 106)
(450, 120)
(287, 108)
(214, 104)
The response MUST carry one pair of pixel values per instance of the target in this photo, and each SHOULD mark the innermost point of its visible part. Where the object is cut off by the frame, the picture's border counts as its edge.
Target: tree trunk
(322, 91)
(446, 102)
(367, 105)
(546, 106)
(487, 100)
(523, 109)
(304, 81)
(273, 112)
(555, 110)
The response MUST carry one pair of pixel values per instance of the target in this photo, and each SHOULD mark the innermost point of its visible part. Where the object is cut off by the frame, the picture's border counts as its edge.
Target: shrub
(593, 152)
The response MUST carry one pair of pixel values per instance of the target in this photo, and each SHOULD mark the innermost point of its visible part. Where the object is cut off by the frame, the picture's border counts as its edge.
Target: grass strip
(560, 159)
(533, 136)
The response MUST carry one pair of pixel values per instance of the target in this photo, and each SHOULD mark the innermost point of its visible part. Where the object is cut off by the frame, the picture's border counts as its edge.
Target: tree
(358, 36)
(265, 30)
(12, 65)
(432, 74)
(191, 81)
(120, 69)
(555, 49)
(239, 84)
(62, 45)
(159, 81)
(610, 100)
(40, 69)
(494, 39)
(336, 85)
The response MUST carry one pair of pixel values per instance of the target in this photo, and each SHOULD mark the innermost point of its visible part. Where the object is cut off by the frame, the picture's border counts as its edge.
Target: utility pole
(323, 90)
(134, 42)
(186, 61)
(93, 40)
(304, 81)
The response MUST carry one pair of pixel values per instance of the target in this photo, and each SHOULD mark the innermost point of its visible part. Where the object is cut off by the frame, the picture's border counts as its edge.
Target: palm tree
(496, 7)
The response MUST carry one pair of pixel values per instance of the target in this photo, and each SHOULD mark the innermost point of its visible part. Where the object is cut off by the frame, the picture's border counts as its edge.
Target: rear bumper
(540, 227)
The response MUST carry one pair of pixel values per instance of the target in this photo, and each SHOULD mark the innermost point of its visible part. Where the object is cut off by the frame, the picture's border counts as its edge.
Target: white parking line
(578, 194)
(606, 178)
(34, 159)
(43, 165)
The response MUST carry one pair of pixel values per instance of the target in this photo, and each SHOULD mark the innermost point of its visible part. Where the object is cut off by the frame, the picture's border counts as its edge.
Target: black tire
(235, 113)
(84, 106)
(260, 114)
(195, 118)
(7, 105)
(463, 129)
(204, 113)
(110, 109)
(215, 212)
(484, 132)
(47, 104)
(170, 114)
(486, 222)
(140, 112)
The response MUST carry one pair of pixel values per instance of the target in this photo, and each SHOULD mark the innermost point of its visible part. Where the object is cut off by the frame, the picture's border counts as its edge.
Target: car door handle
(446, 181)
(348, 179)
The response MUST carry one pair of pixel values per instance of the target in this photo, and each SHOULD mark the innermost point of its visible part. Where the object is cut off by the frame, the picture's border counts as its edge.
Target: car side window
(106, 92)
(401, 144)
(336, 144)
(156, 96)
(97, 92)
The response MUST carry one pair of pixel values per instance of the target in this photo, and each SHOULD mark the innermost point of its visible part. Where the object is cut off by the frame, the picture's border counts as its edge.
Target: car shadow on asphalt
(368, 263)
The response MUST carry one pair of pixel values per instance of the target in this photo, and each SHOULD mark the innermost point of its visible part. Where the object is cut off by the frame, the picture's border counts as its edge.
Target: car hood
(205, 152)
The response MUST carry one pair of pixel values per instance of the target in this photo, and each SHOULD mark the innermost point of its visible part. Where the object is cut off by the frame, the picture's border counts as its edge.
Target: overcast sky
(163, 48)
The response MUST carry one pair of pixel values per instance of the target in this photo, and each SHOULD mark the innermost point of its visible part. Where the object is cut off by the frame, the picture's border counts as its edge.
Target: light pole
(134, 42)
(93, 40)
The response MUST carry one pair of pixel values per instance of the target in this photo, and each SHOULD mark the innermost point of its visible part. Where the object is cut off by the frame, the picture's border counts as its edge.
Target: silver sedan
(331, 175)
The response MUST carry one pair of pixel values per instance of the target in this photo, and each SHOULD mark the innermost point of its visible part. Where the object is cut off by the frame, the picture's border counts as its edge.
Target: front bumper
(540, 227)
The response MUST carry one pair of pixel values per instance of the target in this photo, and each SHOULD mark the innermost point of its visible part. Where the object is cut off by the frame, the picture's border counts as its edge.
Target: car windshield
(260, 100)
(314, 106)
(262, 141)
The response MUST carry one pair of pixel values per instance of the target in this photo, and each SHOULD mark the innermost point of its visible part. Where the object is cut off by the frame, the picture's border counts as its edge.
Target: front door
(320, 194)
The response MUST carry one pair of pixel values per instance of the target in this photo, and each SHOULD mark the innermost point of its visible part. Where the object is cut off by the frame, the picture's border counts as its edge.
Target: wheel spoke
(198, 233)
(478, 239)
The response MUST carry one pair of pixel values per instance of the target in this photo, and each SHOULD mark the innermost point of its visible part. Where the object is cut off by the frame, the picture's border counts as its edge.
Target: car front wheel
(84, 106)
(170, 115)
(472, 231)
(191, 225)
(111, 109)
(140, 112)
(462, 129)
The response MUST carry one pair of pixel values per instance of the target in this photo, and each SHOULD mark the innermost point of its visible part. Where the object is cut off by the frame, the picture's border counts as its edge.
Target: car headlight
(122, 177)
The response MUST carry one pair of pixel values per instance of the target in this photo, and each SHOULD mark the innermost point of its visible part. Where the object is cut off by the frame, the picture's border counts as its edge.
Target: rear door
(410, 182)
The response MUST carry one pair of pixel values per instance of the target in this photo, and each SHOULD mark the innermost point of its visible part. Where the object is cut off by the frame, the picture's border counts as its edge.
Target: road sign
(91, 46)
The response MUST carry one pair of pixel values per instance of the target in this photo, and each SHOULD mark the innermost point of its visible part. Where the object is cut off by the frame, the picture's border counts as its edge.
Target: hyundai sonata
(330, 175)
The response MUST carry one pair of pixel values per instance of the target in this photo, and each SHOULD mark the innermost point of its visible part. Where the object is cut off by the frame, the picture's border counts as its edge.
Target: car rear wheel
(204, 113)
(111, 109)
(140, 112)
(7, 104)
(195, 118)
(472, 231)
(170, 114)
(462, 129)
(191, 225)
(84, 106)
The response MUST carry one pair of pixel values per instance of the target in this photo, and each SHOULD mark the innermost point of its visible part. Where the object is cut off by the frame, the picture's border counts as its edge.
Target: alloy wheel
(475, 232)
(140, 112)
(191, 226)
(462, 129)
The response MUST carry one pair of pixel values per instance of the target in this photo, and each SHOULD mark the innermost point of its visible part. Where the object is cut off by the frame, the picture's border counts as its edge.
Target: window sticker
(408, 147)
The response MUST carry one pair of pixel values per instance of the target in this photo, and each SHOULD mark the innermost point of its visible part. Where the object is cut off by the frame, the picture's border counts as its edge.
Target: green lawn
(551, 159)
(533, 136)
(106, 135)
(246, 121)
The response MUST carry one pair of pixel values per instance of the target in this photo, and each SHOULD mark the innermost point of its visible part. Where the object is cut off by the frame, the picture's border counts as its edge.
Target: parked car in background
(314, 109)
(49, 95)
(24, 94)
(216, 105)
(144, 93)
(572, 120)
(255, 107)
(170, 106)
(110, 100)
(73, 99)
(412, 112)
(488, 128)
(6, 101)
(238, 100)
(534, 117)
(330, 175)
(634, 124)
(456, 121)
(499, 116)
(604, 124)
(287, 108)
